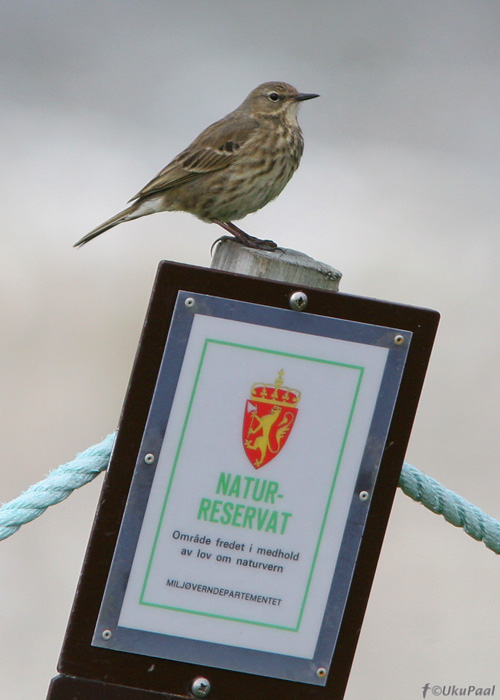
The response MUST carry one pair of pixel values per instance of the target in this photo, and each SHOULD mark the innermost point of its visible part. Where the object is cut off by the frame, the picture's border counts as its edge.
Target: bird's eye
(273, 96)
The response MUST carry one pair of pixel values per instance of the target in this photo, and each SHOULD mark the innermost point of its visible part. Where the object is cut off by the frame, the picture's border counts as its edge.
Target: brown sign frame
(87, 671)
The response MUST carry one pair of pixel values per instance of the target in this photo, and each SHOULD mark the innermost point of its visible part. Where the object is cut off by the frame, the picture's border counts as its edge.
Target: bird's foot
(259, 243)
(244, 238)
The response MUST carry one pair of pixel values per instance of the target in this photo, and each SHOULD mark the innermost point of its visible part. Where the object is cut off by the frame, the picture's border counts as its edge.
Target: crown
(276, 393)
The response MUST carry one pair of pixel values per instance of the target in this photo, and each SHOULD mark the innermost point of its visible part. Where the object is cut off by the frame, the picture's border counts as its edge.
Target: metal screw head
(363, 495)
(399, 340)
(189, 302)
(298, 301)
(321, 672)
(106, 635)
(149, 458)
(200, 687)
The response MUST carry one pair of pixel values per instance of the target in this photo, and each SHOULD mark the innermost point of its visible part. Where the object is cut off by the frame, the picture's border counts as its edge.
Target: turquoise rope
(62, 481)
(57, 486)
(454, 509)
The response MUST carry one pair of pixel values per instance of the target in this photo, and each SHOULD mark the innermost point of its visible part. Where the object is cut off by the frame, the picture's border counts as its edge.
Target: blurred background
(398, 188)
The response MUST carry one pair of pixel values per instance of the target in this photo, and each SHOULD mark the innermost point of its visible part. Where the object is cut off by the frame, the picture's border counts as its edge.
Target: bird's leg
(244, 238)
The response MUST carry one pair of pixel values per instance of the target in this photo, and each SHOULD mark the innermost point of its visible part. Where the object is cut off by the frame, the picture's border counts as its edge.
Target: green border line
(176, 459)
(174, 467)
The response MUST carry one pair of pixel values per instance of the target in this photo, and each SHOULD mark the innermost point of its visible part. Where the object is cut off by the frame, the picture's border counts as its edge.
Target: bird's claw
(219, 240)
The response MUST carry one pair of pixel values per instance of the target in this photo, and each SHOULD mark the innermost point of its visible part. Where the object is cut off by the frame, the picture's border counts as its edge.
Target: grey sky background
(399, 188)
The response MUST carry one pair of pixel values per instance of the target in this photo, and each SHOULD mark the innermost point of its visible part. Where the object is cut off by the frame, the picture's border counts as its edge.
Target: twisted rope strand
(454, 509)
(56, 486)
(62, 481)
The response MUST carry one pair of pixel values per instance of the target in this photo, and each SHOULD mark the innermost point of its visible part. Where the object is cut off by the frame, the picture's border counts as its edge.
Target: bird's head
(275, 98)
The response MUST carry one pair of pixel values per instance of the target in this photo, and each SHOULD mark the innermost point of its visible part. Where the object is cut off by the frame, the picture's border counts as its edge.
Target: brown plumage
(235, 166)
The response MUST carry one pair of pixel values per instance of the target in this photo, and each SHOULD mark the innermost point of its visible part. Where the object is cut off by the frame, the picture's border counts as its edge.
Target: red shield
(269, 417)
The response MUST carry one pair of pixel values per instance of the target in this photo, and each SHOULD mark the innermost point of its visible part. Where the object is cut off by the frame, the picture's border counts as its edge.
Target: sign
(252, 487)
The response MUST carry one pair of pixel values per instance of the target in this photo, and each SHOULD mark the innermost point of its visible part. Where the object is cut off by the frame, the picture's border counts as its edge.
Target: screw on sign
(200, 687)
(298, 301)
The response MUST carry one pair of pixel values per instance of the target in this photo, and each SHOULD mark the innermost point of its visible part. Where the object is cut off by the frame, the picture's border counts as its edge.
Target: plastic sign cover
(241, 532)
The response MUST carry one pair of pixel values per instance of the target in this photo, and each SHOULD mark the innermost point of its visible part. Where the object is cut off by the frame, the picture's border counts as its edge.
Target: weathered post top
(281, 265)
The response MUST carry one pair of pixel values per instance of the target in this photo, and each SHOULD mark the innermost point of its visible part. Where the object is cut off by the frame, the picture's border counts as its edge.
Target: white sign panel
(252, 490)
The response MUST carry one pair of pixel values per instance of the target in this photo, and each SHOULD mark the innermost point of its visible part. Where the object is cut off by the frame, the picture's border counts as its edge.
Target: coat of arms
(269, 417)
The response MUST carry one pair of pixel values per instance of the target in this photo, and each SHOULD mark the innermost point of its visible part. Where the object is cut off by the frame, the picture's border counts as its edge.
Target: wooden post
(282, 265)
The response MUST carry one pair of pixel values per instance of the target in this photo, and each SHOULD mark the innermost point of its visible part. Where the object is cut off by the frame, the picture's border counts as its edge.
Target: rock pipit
(235, 167)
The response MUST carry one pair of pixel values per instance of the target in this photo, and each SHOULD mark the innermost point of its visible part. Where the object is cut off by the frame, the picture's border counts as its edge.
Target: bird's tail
(125, 215)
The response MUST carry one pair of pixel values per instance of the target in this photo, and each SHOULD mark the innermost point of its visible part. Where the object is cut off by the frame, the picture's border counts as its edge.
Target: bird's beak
(305, 96)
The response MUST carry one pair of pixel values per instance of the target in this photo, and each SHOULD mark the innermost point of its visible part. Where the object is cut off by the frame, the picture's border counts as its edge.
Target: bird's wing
(214, 149)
